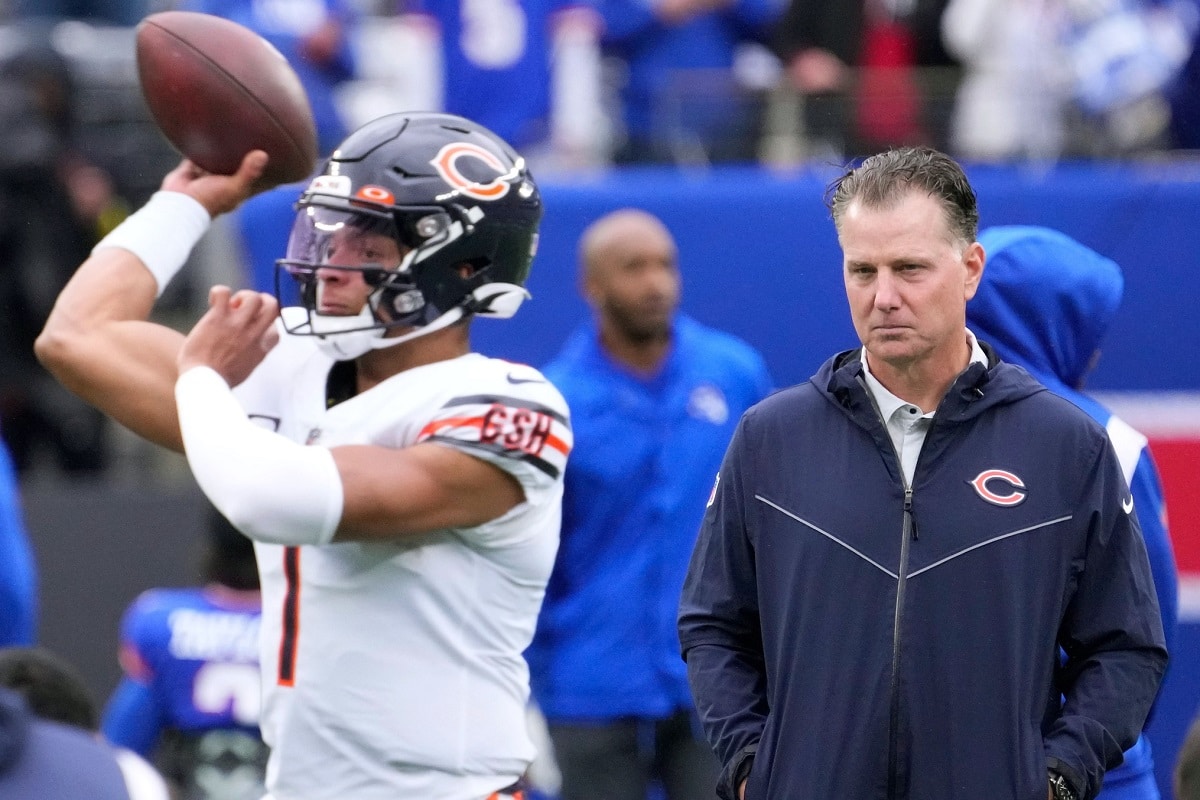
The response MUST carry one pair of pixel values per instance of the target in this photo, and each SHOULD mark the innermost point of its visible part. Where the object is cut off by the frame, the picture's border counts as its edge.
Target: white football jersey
(395, 669)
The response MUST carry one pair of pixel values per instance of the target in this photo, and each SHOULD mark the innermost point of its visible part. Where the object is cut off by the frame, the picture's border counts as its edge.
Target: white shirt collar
(889, 403)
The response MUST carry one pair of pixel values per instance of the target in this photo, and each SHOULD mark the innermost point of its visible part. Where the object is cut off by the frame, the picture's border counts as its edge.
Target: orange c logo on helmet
(446, 164)
(1016, 487)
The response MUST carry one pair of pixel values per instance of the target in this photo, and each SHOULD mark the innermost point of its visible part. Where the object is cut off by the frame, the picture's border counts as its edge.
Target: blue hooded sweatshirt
(1045, 303)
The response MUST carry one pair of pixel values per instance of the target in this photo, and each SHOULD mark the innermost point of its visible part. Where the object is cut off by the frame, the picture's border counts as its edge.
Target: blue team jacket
(645, 455)
(851, 637)
(1053, 332)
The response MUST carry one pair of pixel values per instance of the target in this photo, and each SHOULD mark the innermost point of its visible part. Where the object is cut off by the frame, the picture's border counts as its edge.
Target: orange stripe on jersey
(558, 444)
(455, 422)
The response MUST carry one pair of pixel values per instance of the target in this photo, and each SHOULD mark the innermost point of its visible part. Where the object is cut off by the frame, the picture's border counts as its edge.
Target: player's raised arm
(98, 341)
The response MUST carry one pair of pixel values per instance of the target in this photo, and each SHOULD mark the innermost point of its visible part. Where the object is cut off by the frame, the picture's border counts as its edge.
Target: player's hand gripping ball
(217, 90)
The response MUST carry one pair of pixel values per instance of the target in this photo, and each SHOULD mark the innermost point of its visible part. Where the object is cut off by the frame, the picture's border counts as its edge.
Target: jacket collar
(976, 389)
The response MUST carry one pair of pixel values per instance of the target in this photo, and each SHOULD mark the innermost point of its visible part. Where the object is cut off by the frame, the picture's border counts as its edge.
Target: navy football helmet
(457, 199)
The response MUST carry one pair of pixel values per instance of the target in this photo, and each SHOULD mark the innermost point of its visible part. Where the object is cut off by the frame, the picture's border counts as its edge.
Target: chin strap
(492, 300)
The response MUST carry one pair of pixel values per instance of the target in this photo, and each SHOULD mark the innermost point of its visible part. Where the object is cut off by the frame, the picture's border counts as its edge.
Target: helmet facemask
(327, 240)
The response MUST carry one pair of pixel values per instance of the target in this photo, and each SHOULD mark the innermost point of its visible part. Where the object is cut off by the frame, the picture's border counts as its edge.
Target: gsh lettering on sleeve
(516, 428)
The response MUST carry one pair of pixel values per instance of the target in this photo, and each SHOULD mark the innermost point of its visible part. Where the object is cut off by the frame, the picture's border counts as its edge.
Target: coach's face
(908, 280)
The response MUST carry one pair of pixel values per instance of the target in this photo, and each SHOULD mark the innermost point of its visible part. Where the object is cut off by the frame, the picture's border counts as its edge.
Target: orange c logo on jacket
(446, 164)
(987, 482)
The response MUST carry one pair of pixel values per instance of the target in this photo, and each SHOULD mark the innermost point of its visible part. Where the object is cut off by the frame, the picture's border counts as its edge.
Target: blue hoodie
(1045, 303)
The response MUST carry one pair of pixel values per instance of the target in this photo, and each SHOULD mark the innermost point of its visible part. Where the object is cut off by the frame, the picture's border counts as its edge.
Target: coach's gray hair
(883, 179)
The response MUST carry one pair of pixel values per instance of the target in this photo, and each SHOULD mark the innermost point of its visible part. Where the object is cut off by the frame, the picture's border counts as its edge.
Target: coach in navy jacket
(861, 621)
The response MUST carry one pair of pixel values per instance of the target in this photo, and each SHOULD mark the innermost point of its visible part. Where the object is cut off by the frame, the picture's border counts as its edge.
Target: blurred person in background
(1011, 103)
(51, 203)
(1051, 78)
(18, 569)
(1183, 98)
(315, 36)
(862, 68)
(51, 761)
(527, 69)
(56, 692)
(654, 398)
(1045, 303)
(103, 12)
(190, 696)
(679, 100)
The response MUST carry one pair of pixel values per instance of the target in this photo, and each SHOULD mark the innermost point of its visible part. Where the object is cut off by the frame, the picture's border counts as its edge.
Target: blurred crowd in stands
(575, 85)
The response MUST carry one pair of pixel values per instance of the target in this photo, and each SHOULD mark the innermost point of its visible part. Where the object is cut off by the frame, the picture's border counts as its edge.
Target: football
(217, 90)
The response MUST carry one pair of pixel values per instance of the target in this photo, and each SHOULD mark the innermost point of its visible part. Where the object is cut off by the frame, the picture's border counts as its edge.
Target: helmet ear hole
(469, 270)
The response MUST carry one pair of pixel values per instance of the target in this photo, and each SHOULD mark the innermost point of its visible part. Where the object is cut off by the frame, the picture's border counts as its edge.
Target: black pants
(621, 760)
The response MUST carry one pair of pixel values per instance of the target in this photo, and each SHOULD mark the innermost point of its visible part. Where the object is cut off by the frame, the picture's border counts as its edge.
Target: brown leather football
(217, 90)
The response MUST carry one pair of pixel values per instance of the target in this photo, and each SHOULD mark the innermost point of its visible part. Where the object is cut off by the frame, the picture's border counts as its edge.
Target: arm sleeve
(1151, 510)
(133, 717)
(719, 626)
(1112, 635)
(1152, 517)
(270, 488)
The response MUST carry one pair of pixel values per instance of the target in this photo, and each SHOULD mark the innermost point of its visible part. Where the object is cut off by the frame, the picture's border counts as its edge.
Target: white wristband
(269, 487)
(161, 233)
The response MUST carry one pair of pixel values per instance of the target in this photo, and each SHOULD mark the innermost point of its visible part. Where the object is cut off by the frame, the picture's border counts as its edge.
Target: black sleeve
(1112, 635)
(719, 627)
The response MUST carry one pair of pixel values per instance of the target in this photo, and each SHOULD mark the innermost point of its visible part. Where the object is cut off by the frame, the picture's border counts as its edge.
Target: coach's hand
(233, 336)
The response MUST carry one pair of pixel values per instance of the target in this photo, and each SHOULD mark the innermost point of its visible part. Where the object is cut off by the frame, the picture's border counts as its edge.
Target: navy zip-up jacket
(848, 637)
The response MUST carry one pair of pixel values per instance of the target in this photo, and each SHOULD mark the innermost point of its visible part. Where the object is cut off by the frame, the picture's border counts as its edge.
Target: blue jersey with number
(191, 693)
(496, 62)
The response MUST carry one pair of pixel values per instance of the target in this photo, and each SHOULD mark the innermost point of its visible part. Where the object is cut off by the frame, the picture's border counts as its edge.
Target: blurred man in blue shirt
(654, 398)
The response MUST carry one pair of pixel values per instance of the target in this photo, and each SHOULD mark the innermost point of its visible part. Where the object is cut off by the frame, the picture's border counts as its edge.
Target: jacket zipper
(908, 532)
